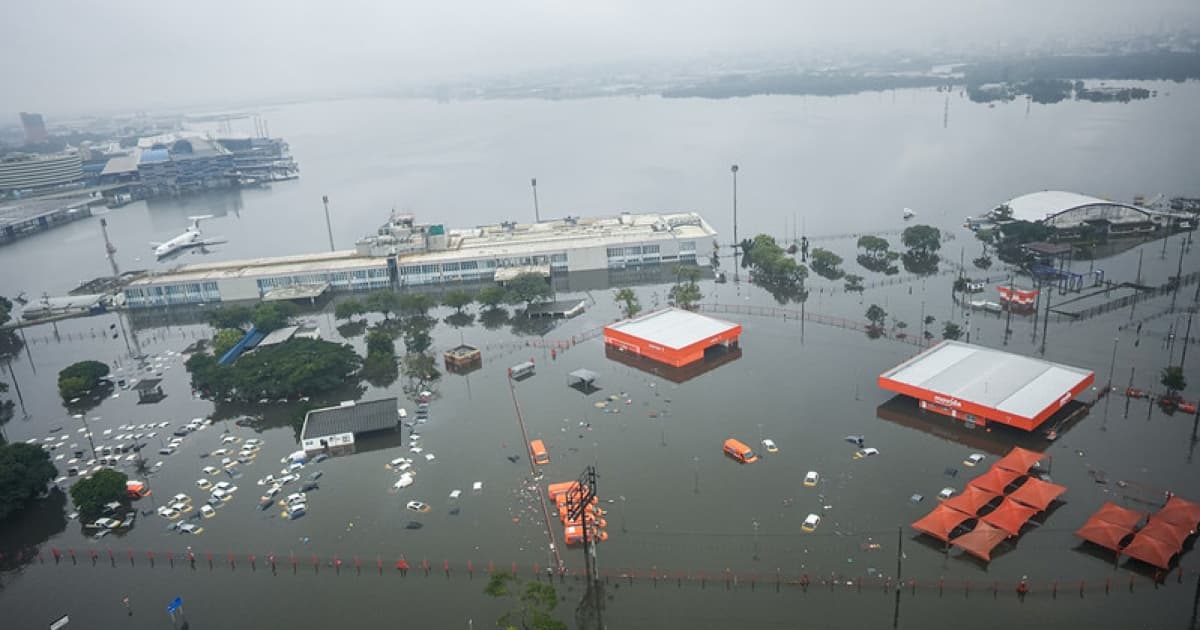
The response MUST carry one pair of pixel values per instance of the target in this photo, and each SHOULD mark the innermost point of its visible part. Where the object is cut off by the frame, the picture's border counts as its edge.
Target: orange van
(740, 452)
(540, 456)
(554, 490)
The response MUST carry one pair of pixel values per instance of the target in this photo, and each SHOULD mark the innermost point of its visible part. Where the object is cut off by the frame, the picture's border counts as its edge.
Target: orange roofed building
(672, 336)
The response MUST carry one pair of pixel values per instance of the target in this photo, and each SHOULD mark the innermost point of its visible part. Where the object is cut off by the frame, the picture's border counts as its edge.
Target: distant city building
(174, 164)
(35, 128)
(25, 171)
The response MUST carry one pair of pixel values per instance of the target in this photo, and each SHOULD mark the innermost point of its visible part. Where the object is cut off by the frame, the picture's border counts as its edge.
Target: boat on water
(909, 213)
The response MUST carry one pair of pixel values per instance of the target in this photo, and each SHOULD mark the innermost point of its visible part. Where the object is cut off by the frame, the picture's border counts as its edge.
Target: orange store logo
(949, 402)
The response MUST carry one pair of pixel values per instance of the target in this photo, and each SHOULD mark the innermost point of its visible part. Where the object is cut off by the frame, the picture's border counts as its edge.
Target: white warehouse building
(1070, 211)
(403, 253)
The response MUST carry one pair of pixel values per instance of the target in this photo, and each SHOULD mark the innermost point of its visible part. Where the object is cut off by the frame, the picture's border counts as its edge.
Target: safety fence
(817, 318)
(1127, 300)
(496, 350)
(778, 579)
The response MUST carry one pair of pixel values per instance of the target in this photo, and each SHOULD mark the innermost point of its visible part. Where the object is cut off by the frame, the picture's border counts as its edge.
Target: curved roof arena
(1041, 205)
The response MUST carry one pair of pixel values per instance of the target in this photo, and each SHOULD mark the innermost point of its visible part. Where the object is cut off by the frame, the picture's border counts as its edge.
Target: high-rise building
(35, 128)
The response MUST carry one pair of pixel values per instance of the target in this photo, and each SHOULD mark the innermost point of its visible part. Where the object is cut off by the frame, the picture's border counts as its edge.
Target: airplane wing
(154, 244)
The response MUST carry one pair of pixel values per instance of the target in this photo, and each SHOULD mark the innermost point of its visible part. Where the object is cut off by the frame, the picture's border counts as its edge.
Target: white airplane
(192, 237)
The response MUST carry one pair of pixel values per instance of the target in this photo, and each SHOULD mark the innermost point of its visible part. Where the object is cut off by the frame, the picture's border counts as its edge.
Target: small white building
(333, 430)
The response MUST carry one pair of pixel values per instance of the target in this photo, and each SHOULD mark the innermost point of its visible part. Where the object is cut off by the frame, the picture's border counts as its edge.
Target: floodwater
(675, 504)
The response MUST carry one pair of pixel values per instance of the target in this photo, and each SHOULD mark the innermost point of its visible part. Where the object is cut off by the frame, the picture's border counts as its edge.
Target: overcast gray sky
(78, 55)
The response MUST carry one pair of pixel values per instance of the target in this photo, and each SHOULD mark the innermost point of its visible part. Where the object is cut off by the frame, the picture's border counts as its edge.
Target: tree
(268, 316)
(226, 339)
(854, 283)
(416, 334)
(1173, 380)
(629, 300)
(876, 315)
(457, 299)
(298, 367)
(535, 603)
(774, 269)
(875, 246)
(349, 309)
(685, 295)
(922, 240)
(380, 342)
(379, 368)
(951, 331)
(826, 264)
(492, 296)
(80, 379)
(232, 316)
(25, 469)
(383, 301)
(5, 310)
(416, 303)
(91, 494)
(527, 288)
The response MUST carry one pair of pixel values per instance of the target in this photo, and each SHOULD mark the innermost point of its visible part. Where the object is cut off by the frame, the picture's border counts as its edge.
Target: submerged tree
(492, 296)
(348, 309)
(826, 263)
(951, 331)
(876, 315)
(92, 493)
(81, 379)
(25, 469)
(458, 299)
(528, 288)
(534, 603)
(1173, 379)
(628, 300)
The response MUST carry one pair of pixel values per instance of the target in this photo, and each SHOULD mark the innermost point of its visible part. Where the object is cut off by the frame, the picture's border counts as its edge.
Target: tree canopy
(951, 331)
(348, 309)
(226, 339)
(298, 367)
(826, 263)
(25, 469)
(774, 269)
(457, 299)
(380, 368)
(103, 487)
(384, 301)
(492, 296)
(415, 303)
(268, 316)
(535, 602)
(80, 379)
(924, 240)
(628, 300)
(1173, 379)
(527, 288)
(876, 315)
(5, 310)
(229, 316)
(874, 245)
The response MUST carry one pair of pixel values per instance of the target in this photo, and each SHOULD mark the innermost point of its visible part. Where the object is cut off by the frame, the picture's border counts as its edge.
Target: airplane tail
(198, 218)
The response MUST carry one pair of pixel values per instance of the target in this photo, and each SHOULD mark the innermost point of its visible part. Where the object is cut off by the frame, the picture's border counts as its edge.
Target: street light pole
(537, 217)
(736, 276)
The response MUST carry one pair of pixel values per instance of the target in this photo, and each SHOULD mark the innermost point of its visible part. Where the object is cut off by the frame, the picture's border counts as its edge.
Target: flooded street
(677, 508)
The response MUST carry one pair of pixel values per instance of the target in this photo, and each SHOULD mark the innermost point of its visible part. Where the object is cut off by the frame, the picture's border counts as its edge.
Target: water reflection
(714, 358)
(22, 535)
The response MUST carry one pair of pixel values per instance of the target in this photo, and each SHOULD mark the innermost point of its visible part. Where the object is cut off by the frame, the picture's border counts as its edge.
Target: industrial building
(672, 336)
(404, 253)
(174, 164)
(25, 171)
(334, 430)
(1072, 212)
(980, 385)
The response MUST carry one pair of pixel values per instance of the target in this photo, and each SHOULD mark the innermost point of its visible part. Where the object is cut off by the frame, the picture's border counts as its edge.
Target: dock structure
(403, 253)
(980, 385)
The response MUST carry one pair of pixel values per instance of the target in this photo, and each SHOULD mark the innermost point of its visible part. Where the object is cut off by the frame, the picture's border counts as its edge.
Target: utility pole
(328, 224)
(1187, 338)
(899, 572)
(1045, 322)
(1178, 273)
(537, 217)
(736, 275)
(1008, 316)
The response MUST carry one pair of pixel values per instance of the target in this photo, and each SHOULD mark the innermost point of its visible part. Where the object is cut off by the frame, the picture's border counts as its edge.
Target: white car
(973, 459)
(417, 506)
(253, 441)
(866, 452)
(296, 497)
(404, 481)
(297, 510)
(163, 425)
(168, 513)
(207, 511)
(181, 498)
(945, 493)
(190, 528)
(770, 446)
(181, 506)
(106, 523)
(810, 523)
(204, 484)
(811, 478)
(224, 485)
(210, 470)
(221, 495)
(229, 439)
(286, 479)
(221, 452)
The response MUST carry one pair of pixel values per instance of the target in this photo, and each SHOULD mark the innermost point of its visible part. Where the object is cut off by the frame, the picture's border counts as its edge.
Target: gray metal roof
(1011, 383)
(351, 417)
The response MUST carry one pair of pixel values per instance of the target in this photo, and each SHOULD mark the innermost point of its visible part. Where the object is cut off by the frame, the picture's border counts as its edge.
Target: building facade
(23, 171)
(35, 128)
(404, 254)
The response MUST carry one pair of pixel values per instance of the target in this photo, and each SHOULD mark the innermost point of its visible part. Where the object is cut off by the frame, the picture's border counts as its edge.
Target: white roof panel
(1010, 383)
(673, 328)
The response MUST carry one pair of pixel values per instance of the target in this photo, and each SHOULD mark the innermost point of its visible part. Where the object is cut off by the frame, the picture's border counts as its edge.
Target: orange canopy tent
(1009, 516)
(1019, 460)
(970, 500)
(1037, 493)
(940, 522)
(1180, 511)
(1166, 531)
(1103, 533)
(995, 480)
(1117, 515)
(1150, 550)
(980, 541)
